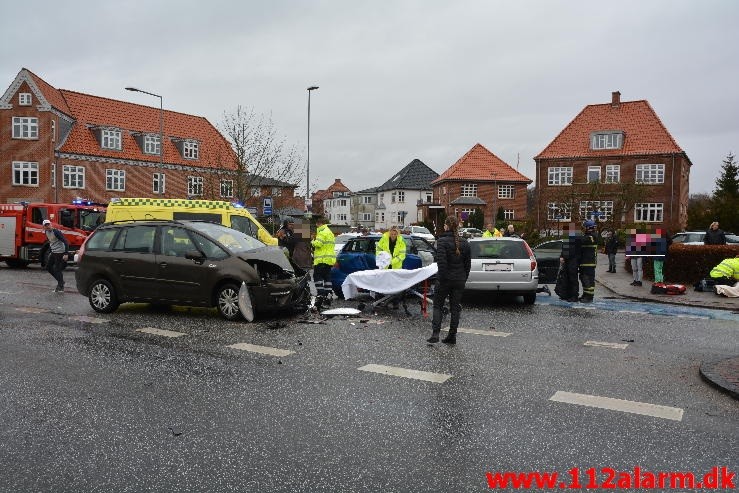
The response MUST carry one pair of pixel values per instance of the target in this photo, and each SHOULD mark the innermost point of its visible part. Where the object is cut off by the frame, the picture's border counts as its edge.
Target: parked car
(469, 232)
(503, 265)
(359, 254)
(340, 240)
(422, 232)
(547, 259)
(186, 263)
(696, 238)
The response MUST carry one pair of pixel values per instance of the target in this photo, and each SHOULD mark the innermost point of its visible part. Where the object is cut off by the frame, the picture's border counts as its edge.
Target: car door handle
(162, 264)
(117, 261)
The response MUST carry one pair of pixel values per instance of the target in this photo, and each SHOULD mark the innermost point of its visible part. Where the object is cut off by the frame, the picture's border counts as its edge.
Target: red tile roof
(336, 186)
(51, 94)
(643, 131)
(479, 164)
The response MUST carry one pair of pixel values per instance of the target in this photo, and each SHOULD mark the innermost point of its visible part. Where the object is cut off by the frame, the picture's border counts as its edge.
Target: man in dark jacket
(454, 261)
(286, 236)
(588, 258)
(611, 248)
(714, 235)
(59, 248)
(570, 262)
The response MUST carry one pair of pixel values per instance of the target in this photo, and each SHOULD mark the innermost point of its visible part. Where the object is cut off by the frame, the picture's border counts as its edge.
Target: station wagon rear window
(498, 249)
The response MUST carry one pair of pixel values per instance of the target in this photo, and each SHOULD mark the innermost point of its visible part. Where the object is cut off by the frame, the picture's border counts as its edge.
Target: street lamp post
(307, 174)
(160, 181)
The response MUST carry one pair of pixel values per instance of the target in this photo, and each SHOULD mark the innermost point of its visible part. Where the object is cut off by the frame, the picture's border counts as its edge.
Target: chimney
(615, 99)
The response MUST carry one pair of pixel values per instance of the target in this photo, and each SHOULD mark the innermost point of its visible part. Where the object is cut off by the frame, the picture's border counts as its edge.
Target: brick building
(57, 145)
(333, 202)
(615, 162)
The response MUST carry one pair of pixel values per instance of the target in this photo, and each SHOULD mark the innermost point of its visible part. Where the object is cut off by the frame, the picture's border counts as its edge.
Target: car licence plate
(497, 267)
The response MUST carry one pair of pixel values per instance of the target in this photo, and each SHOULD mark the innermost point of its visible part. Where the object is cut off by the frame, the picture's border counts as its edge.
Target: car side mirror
(194, 255)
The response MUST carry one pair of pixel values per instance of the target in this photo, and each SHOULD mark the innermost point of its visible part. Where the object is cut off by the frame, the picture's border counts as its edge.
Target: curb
(666, 301)
(716, 372)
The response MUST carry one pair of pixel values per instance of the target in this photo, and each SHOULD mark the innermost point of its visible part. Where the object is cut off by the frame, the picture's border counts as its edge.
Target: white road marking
(479, 332)
(695, 317)
(406, 373)
(613, 345)
(161, 332)
(30, 309)
(261, 349)
(632, 311)
(655, 410)
(91, 320)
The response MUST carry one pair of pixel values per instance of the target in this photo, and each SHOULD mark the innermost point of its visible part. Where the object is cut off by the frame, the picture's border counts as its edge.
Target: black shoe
(638, 283)
(433, 339)
(633, 283)
(59, 288)
(450, 339)
(574, 299)
(586, 299)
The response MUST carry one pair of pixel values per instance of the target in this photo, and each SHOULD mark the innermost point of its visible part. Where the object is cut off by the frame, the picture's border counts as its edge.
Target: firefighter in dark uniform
(568, 287)
(588, 258)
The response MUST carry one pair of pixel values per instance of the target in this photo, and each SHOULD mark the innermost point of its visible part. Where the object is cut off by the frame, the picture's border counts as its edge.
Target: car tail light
(533, 263)
(531, 256)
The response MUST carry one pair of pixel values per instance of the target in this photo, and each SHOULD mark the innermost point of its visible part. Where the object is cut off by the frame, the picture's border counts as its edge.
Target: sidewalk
(722, 373)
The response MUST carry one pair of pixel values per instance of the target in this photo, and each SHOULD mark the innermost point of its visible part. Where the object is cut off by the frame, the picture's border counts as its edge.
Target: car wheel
(102, 297)
(17, 264)
(529, 298)
(227, 301)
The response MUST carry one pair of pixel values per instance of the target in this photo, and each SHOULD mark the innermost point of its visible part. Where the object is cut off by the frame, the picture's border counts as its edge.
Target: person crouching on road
(324, 258)
(454, 262)
(392, 243)
(59, 247)
(588, 258)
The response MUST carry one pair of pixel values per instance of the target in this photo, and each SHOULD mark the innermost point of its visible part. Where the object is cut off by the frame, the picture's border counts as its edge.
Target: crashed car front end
(280, 284)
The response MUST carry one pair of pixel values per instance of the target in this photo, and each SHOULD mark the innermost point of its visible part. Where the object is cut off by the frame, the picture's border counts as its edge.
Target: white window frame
(73, 176)
(392, 197)
(190, 149)
(25, 99)
(115, 180)
(594, 173)
(603, 206)
(606, 140)
(468, 190)
(195, 186)
(367, 199)
(53, 130)
(563, 209)
(652, 174)
(649, 212)
(429, 197)
(276, 191)
(25, 127)
(341, 217)
(366, 216)
(401, 197)
(152, 144)
(53, 175)
(342, 202)
(25, 173)
(559, 175)
(256, 191)
(156, 179)
(509, 214)
(227, 188)
(400, 217)
(506, 191)
(111, 139)
(613, 173)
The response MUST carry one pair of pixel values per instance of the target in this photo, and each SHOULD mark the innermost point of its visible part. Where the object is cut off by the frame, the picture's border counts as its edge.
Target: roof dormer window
(190, 149)
(24, 99)
(606, 140)
(152, 144)
(111, 139)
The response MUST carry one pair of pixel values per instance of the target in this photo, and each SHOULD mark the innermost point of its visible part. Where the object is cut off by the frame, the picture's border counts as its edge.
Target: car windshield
(233, 240)
(91, 218)
(421, 230)
(498, 249)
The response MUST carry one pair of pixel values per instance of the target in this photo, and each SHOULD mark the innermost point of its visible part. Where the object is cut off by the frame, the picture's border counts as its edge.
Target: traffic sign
(267, 211)
(267, 202)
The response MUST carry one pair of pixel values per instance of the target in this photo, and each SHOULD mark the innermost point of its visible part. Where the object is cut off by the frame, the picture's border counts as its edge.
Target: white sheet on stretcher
(386, 281)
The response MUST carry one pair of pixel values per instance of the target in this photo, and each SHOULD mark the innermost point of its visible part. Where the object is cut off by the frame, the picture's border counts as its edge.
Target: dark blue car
(359, 254)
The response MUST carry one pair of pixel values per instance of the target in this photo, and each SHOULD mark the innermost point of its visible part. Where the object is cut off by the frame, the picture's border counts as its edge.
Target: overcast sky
(399, 79)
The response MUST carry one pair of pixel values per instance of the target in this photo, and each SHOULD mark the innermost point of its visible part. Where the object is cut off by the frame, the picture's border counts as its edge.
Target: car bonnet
(268, 254)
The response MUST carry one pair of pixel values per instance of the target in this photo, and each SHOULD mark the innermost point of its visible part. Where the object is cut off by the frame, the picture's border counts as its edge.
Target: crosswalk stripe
(161, 332)
(406, 373)
(634, 407)
(480, 332)
(613, 345)
(271, 351)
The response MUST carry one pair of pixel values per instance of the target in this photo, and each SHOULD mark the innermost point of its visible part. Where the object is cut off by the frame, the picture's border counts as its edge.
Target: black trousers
(587, 278)
(571, 267)
(322, 279)
(55, 267)
(454, 290)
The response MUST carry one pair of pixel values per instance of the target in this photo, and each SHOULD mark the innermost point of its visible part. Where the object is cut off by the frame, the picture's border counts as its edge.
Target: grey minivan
(186, 263)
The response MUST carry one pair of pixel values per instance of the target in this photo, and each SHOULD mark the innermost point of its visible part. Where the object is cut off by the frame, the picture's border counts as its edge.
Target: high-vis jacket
(496, 233)
(397, 256)
(323, 246)
(727, 268)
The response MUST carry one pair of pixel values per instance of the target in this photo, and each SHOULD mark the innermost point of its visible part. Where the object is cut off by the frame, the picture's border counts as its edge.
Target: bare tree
(260, 152)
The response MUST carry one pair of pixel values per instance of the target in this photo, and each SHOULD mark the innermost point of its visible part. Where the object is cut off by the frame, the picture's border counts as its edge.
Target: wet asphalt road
(91, 404)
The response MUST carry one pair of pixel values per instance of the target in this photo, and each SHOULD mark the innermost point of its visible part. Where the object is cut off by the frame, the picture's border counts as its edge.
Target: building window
(53, 130)
(509, 214)
(648, 213)
(429, 197)
(190, 150)
(593, 174)
(341, 217)
(560, 176)
(401, 197)
(466, 213)
(158, 183)
(73, 176)
(401, 217)
(505, 191)
(25, 127)
(342, 203)
(195, 185)
(650, 173)
(558, 212)
(469, 190)
(366, 217)
(596, 210)
(227, 188)
(255, 192)
(276, 191)
(380, 217)
(152, 144)
(112, 139)
(115, 179)
(392, 198)
(25, 173)
(53, 175)
(613, 173)
(24, 99)
(367, 199)
(606, 140)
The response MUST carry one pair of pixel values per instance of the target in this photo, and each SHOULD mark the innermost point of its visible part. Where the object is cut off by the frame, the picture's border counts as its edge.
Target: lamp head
(312, 88)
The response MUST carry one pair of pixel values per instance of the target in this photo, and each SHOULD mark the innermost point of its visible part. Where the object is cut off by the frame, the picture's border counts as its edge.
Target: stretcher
(393, 285)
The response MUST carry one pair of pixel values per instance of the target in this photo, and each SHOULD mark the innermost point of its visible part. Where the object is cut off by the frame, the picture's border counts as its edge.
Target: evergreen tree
(726, 196)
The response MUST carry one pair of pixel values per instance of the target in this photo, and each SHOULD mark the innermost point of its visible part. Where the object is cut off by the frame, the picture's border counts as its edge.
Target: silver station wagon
(505, 266)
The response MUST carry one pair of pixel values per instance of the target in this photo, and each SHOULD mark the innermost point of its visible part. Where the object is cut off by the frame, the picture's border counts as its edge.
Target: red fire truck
(22, 237)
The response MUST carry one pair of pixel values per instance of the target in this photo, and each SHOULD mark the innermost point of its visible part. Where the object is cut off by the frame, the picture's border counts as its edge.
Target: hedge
(688, 264)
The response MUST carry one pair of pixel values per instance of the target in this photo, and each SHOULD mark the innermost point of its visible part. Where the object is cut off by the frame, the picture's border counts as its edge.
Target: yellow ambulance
(217, 211)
